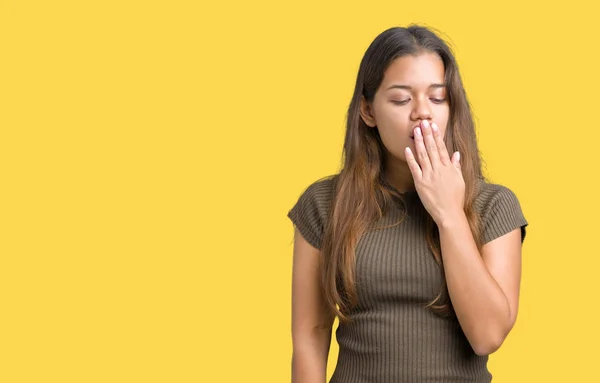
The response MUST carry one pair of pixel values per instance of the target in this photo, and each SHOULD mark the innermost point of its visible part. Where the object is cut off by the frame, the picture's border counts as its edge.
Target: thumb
(456, 159)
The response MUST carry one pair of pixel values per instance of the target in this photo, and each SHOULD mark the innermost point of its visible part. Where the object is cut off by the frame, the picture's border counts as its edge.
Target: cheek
(390, 112)
(444, 116)
(442, 122)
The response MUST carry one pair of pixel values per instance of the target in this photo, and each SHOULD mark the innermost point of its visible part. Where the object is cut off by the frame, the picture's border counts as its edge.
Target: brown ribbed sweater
(393, 337)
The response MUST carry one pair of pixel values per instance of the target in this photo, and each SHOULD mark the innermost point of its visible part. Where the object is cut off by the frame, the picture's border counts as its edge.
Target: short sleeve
(310, 212)
(500, 212)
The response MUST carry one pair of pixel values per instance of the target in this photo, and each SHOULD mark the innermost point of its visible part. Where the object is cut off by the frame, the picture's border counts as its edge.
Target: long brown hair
(361, 193)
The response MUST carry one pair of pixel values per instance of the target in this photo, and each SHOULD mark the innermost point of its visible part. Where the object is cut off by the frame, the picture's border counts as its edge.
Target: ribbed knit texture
(393, 337)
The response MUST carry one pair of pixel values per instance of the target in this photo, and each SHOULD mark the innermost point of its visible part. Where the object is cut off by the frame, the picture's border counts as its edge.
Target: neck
(398, 175)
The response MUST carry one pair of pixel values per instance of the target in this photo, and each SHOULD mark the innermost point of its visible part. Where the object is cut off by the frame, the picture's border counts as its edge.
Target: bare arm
(310, 344)
(484, 289)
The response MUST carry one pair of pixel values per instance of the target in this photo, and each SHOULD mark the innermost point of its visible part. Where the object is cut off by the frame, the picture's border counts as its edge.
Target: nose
(421, 111)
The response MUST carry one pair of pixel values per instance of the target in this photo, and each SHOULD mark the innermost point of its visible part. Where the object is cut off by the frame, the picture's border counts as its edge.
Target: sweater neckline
(406, 193)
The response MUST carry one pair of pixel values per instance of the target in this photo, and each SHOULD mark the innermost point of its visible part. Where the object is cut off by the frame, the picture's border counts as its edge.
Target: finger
(413, 165)
(430, 144)
(422, 155)
(441, 145)
(456, 159)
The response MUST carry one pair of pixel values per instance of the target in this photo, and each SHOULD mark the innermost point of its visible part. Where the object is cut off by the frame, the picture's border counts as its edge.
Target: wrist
(451, 220)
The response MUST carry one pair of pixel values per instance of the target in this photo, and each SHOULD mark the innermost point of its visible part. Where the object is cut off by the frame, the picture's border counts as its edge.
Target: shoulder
(492, 193)
(319, 193)
(321, 190)
(311, 210)
(500, 210)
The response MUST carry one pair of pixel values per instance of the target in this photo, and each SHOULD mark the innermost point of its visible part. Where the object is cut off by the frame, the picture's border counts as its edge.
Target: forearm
(480, 304)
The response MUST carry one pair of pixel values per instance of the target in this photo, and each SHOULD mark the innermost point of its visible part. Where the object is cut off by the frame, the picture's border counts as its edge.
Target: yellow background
(150, 151)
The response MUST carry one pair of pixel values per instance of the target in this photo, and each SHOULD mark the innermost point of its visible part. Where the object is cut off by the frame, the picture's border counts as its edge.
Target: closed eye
(404, 102)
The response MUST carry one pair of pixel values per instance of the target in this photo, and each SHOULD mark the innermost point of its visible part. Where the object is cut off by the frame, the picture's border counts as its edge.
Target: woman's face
(412, 90)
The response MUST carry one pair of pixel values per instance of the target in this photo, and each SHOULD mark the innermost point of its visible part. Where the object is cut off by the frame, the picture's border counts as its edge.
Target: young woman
(415, 252)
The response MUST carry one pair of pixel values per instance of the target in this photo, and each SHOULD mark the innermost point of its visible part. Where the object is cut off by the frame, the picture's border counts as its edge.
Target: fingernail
(418, 131)
(434, 126)
(426, 124)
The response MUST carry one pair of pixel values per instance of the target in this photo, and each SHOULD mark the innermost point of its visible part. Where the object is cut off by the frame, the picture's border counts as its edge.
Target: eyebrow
(409, 87)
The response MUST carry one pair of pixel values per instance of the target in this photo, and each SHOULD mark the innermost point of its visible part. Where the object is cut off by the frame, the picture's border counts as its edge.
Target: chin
(400, 157)
(397, 154)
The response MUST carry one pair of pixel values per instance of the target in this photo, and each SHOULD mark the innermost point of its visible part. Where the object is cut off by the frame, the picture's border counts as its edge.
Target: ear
(366, 112)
